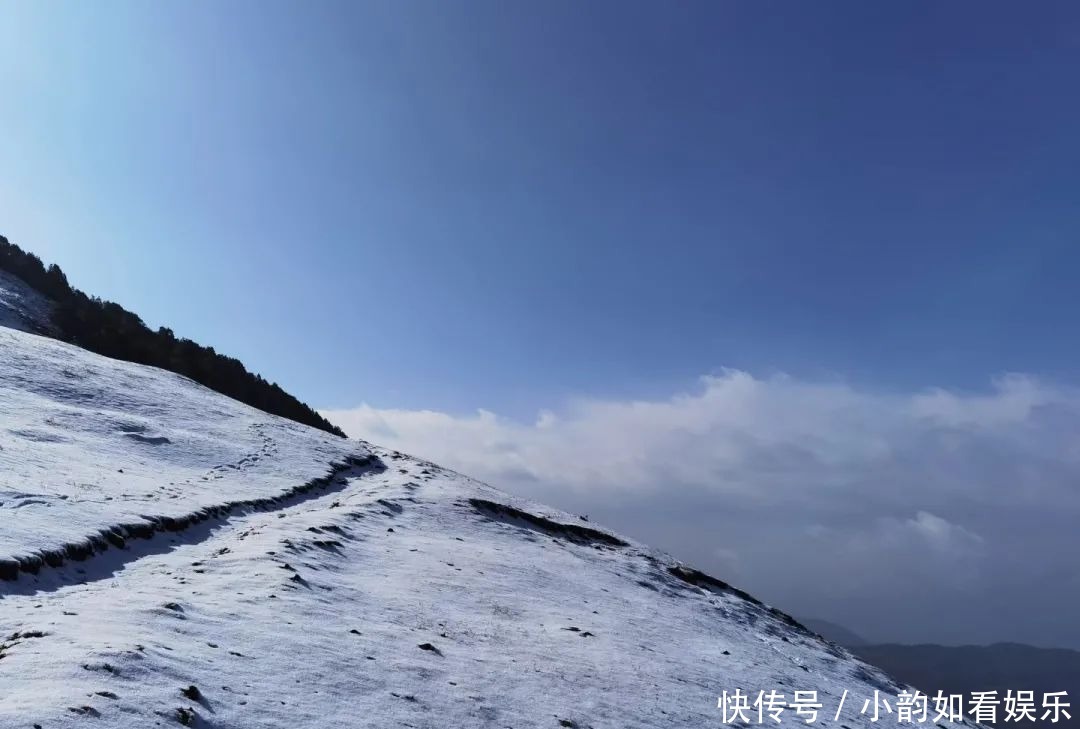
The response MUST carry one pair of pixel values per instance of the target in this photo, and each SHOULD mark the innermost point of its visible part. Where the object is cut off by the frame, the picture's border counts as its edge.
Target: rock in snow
(174, 558)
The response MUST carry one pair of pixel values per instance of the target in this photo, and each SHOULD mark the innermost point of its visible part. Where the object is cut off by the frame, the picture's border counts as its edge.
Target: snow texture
(21, 307)
(283, 577)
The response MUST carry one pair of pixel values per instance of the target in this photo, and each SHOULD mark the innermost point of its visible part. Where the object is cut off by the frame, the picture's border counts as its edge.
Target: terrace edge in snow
(118, 535)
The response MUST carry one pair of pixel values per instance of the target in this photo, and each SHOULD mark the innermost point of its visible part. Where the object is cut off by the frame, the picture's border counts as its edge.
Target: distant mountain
(964, 669)
(39, 299)
(836, 633)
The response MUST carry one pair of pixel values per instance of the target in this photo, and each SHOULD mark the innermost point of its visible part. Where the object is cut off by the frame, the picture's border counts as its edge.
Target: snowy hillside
(172, 557)
(94, 449)
(21, 307)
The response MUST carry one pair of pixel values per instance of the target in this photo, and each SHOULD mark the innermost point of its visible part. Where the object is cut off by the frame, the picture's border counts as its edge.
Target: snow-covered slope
(21, 307)
(97, 449)
(392, 593)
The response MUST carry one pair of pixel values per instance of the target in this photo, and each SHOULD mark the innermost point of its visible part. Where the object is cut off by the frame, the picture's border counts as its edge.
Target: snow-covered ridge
(381, 592)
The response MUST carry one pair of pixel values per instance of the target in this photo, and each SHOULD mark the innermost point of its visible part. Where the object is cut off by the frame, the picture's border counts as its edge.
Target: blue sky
(496, 204)
(853, 220)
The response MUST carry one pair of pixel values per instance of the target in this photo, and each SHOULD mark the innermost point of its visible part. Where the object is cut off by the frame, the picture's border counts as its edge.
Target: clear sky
(446, 206)
(528, 200)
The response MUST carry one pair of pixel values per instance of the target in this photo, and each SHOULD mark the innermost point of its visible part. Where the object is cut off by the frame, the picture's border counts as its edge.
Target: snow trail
(154, 536)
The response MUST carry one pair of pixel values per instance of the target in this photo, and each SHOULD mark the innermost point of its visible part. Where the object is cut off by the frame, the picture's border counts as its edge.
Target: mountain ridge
(104, 327)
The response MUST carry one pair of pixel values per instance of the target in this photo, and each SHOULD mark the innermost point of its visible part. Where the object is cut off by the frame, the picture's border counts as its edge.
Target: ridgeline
(111, 330)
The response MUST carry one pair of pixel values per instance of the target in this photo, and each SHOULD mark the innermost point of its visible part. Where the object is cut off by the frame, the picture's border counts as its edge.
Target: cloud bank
(924, 516)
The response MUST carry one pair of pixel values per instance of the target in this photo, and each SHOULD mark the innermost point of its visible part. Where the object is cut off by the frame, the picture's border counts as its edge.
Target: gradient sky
(445, 206)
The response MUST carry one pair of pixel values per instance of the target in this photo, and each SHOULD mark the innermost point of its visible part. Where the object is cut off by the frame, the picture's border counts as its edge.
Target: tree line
(110, 329)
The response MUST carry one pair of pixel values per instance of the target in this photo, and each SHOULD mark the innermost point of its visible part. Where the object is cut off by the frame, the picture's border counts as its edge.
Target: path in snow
(94, 450)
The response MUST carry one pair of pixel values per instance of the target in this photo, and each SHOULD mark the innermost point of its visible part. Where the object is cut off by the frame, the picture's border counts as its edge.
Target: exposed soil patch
(571, 532)
(698, 578)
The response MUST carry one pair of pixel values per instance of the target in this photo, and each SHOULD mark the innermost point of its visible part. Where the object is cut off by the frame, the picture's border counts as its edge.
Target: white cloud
(736, 434)
(1013, 401)
(941, 534)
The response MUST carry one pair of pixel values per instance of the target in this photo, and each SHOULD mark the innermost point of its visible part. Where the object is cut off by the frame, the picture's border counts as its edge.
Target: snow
(89, 443)
(21, 307)
(394, 594)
